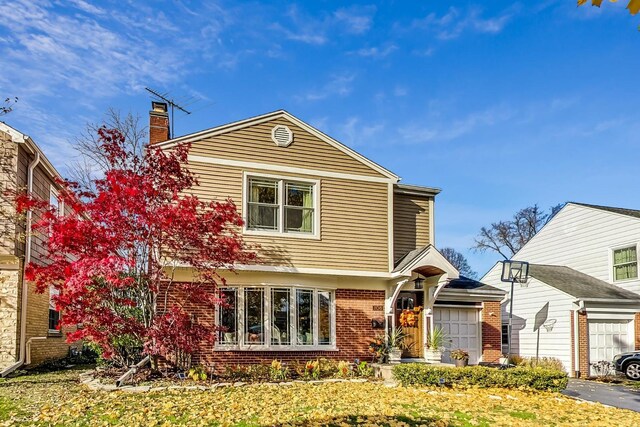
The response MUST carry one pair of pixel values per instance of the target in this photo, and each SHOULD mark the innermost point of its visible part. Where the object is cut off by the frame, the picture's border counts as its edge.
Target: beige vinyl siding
(254, 144)
(353, 221)
(411, 218)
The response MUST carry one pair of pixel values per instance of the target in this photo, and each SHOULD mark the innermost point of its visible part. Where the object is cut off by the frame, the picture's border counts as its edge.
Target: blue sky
(500, 104)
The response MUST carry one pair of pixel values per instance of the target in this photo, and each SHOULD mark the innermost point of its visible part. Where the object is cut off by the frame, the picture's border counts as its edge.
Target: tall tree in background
(507, 237)
(93, 160)
(459, 262)
(115, 251)
(7, 106)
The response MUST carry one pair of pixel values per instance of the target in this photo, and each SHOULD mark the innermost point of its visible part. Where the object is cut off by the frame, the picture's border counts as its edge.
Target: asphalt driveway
(616, 395)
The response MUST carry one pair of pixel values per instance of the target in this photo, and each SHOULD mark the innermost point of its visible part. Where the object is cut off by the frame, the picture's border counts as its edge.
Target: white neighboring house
(583, 282)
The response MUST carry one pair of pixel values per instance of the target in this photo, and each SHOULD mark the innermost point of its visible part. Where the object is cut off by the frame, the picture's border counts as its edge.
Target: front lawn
(58, 399)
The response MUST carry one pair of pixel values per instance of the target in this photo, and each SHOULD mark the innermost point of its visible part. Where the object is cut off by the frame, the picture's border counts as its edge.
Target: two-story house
(29, 332)
(344, 248)
(582, 301)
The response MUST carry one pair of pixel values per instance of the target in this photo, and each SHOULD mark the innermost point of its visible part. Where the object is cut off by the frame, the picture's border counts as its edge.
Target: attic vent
(282, 135)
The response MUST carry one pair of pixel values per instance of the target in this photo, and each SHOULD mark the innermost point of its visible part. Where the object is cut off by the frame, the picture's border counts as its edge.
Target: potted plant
(460, 357)
(435, 344)
(395, 341)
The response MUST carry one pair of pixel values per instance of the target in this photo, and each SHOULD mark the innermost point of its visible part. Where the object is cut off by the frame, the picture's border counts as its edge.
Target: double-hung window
(625, 263)
(276, 317)
(286, 206)
(54, 314)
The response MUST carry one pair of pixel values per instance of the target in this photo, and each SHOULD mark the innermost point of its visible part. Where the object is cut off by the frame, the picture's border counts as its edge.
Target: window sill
(275, 349)
(54, 333)
(280, 234)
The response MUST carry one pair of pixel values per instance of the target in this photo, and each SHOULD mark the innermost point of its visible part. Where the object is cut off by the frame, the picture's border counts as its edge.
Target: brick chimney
(158, 123)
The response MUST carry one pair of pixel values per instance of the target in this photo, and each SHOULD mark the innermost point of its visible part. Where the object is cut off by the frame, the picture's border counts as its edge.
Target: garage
(462, 326)
(608, 338)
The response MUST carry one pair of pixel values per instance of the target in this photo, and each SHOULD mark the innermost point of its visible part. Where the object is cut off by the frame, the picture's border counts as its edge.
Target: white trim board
(276, 115)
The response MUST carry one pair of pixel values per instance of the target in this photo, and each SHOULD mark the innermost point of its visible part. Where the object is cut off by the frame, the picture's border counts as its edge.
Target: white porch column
(431, 294)
(390, 302)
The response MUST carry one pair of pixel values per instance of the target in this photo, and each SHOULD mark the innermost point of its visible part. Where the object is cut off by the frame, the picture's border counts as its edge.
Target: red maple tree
(114, 253)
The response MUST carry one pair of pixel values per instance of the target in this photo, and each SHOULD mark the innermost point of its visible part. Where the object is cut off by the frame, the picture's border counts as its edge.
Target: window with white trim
(625, 263)
(276, 317)
(54, 201)
(54, 314)
(281, 205)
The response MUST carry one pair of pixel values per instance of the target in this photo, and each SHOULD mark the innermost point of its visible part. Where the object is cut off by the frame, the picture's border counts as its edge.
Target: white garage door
(462, 326)
(608, 338)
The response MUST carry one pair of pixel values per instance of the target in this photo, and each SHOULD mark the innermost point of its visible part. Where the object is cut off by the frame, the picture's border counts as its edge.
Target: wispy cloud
(354, 132)
(456, 22)
(337, 85)
(436, 129)
(357, 19)
(376, 52)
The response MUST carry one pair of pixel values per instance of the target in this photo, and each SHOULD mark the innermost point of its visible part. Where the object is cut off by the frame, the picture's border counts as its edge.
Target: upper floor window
(625, 263)
(281, 205)
(54, 201)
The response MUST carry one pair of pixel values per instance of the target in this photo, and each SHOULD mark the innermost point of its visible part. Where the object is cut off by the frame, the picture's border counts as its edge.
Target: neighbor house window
(276, 317)
(281, 205)
(505, 337)
(625, 263)
(54, 314)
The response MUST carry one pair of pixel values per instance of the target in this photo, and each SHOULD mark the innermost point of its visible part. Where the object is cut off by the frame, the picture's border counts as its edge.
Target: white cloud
(437, 129)
(357, 19)
(376, 52)
(353, 132)
(456, 22)
(338, 85)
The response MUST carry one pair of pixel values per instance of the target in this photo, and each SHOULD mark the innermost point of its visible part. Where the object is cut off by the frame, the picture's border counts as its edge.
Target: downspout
(25, 285)
(576, 340)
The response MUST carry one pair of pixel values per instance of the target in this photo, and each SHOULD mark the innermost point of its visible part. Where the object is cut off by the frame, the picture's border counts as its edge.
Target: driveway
(610, 394)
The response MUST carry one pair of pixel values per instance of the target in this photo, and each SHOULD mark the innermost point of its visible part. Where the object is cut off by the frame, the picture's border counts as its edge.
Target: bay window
(276, 317)
(284, 206)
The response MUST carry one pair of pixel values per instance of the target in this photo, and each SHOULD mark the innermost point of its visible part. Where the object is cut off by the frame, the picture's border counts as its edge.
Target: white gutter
(25, 285)
(576, 340)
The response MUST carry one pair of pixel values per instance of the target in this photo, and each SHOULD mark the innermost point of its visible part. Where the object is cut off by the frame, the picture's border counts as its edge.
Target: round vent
(282, 135)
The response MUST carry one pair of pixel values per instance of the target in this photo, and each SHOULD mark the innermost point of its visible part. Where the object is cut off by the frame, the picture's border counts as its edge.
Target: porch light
(418, 282)
(513, 271)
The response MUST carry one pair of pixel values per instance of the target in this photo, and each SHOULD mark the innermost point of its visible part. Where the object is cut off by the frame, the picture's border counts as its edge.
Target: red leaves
(111, 253)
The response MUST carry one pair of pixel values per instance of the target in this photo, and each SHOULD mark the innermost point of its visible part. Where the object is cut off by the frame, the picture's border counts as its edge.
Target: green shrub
(416, 374)
(551, 363)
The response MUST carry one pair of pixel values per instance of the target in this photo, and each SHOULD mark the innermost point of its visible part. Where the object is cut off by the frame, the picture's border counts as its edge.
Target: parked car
(628, 364)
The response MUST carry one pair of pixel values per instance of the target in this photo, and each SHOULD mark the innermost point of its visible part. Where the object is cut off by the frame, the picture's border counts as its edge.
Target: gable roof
(622, 211)
(579, 285)
(427, 256)
(21, 138)
(241, 124)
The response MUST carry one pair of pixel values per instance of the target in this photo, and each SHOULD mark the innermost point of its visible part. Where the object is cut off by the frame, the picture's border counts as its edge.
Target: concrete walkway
(616, 395)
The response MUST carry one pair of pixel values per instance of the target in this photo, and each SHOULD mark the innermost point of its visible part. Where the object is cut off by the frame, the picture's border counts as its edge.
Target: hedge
(418, 374)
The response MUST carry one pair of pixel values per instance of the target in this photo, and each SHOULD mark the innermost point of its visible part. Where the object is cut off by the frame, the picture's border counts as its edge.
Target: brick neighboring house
(582, 301)
(344, 248)
(28, 333)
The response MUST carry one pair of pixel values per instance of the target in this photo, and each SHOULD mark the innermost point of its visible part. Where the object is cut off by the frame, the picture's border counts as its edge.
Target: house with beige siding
(581, 303)
(344, 247)
(29, 332)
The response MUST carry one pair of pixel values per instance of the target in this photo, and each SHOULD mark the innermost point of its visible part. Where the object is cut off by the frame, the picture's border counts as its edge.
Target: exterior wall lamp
(418, 282)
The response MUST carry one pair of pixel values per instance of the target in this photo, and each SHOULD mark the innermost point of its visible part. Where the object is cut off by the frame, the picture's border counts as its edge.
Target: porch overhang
(427, 261)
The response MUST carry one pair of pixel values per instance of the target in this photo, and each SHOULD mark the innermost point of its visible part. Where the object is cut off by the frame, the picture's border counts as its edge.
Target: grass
(57, 398)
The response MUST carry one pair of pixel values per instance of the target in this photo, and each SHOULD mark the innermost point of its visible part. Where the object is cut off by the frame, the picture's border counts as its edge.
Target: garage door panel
(462, 328)
(608, 338)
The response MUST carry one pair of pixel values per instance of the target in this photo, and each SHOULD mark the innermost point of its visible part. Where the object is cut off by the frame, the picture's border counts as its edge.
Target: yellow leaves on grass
(633, 6)
(331, 404)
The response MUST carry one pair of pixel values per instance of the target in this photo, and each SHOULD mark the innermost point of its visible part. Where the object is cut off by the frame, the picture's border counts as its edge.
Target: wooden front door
(411, 301)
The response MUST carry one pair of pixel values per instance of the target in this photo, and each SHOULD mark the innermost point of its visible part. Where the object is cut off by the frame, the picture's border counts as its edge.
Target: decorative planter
(395, 354)
(432, 356)
(461, 362)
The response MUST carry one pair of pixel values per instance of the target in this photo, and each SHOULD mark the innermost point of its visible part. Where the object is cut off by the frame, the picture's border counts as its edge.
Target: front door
(411, 303)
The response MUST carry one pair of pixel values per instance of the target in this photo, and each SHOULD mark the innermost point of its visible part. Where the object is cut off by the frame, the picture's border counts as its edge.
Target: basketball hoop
(548, 325)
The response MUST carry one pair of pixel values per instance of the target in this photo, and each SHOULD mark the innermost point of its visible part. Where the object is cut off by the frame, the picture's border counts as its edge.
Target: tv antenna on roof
(171, 102)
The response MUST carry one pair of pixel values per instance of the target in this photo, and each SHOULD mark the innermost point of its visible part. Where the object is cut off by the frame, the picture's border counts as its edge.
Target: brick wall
(491, 331)
(158, 127)
(354, 311)
(583, 344)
